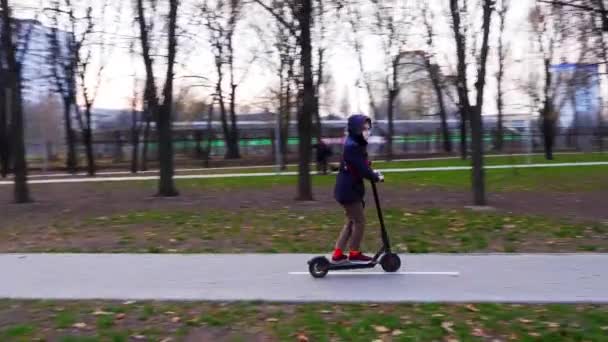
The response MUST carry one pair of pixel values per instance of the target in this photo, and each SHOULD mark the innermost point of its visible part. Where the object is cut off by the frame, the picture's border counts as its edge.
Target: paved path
(537, 278)
(294, 173)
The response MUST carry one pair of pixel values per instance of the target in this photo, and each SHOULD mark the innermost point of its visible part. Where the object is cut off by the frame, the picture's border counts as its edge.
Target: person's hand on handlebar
(380, 177)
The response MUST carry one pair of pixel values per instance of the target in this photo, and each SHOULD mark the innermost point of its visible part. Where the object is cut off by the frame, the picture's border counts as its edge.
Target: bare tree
(355, 19)
(63, 73)
(83, 64)
(434, 75)
(221, 19)
(322, 42)
(473, 113)
(546, 27)
(14, 102)
(303, 13)
(4, 131)
(135, 128)
(502, 52)
(161, 111)
(392, 21)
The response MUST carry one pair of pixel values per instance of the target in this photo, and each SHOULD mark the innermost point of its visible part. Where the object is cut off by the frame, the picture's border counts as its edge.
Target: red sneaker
(338, 256)
(336, 259)
(358, 257)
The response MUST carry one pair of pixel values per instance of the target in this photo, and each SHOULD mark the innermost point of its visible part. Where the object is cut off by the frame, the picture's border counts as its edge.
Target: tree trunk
(14, 103)
(463, 134)
(548, 124)
(70, 139)
(499, 123)
(21, 191)
(308, 103)
(134, 142)
(499, 79)
(287, 117)
(87, 137)
(166, 186)
(146, 142)
(447, 143)
(479, 194)
(88, 142)
(463, 92)
(4, 132)
(391, 128)
(233, 150)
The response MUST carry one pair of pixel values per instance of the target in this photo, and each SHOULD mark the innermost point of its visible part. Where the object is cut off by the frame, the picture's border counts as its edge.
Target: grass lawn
(456, 161)
(165, 321)
(288, 230)
(577, 178)
(568, 179)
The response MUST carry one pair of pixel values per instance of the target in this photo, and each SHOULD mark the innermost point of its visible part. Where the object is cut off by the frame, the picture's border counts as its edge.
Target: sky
(117, 84)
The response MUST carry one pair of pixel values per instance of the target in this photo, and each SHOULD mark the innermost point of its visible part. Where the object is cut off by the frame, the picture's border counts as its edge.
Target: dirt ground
(75, 201)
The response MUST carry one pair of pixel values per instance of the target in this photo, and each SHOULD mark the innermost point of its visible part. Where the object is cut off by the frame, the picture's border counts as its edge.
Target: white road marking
(338, 272)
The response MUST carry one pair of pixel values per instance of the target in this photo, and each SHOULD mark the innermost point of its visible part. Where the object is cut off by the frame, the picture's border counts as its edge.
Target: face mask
(366, 134)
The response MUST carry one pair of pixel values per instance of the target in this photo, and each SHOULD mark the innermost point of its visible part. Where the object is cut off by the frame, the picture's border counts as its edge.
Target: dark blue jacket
(354, 166)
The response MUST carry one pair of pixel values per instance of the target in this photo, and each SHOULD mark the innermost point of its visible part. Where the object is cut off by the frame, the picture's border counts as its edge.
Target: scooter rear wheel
(318, 267)
(390, 262)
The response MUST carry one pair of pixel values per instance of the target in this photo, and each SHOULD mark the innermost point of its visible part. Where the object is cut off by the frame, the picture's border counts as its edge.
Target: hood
(355, 124)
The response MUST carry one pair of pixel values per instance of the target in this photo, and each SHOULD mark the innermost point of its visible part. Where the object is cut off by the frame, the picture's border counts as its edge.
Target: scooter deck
(350, 265)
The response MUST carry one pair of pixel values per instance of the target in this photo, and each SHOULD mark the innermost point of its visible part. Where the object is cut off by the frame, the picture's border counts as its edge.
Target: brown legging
(354, 227)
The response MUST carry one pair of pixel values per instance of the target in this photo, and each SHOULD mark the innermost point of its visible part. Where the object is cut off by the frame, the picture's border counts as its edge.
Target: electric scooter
(319, 266)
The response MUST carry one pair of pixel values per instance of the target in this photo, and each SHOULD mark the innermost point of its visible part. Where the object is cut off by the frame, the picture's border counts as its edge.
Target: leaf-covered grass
(285, 230)
(244, 321)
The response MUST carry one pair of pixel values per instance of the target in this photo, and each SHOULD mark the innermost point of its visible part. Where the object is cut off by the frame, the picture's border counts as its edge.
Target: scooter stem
(385, 240)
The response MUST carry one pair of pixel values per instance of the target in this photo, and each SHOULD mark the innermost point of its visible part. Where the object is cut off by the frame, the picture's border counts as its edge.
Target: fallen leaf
(534, 334)
(80, 325)
(552, 325)
(447, 326)
(121, 315)
(509, 226)
(525, 321)
(139, 337)
(172, 240)
(472, 307)
(397, 332)
(381, 329)
(272, 320)
(325, 311)
(170, 313)
(302, 338)
(176, 319)
(101, 313)
(478, 332)
(437, 315)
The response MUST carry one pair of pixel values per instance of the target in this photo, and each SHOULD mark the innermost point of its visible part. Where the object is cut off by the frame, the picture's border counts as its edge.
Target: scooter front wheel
(318, 267)
(390, 262)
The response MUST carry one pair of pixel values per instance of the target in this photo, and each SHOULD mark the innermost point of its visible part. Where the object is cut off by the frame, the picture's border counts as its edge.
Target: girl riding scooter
(349, 190)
